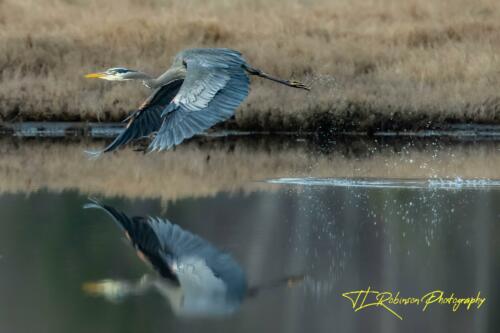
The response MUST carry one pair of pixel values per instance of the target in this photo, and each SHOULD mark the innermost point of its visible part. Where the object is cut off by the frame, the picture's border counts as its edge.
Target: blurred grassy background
(374, 64)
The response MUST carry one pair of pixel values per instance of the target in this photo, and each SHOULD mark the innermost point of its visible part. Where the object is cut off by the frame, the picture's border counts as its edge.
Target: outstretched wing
(215, 85)
(165, 244)
(142, 236)
(147, 119)
(197, 259)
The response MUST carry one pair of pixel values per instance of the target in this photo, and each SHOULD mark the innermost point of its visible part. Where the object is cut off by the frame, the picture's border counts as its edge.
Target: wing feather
(164, 243)
(147, 119)
(143, 237)
(215, 85)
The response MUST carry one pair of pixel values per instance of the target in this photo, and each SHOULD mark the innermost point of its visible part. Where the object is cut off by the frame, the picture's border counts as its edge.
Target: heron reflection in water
(196, 278)
(202, 88)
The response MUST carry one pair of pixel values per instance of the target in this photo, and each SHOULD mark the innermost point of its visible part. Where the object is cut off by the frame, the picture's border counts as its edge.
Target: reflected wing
(142, 237)
(147, 119)
(197, 260)
(215, 85)
(165, 244)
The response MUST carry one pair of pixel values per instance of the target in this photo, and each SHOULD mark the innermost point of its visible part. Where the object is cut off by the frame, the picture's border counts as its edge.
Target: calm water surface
(301, 242)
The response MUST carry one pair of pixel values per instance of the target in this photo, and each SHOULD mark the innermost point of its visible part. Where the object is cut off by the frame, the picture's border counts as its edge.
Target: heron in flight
(202, 88)
(196, 278)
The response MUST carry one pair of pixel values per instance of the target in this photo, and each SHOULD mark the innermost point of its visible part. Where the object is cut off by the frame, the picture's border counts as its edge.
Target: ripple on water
(430, 183)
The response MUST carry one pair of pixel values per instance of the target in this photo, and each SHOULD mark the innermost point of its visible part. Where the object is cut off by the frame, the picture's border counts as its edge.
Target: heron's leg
(258, 72)
(289, 281)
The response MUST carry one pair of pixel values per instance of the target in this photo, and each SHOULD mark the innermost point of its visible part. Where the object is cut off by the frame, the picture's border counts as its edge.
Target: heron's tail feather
(258, 72)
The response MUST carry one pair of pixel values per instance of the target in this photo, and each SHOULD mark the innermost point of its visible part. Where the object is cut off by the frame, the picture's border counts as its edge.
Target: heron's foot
(300, 85)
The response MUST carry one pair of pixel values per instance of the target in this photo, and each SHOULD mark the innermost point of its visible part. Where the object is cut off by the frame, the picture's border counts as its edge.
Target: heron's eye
(115, 71)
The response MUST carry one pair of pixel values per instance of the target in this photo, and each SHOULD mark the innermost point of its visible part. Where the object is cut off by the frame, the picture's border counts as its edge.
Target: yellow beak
(95, 75)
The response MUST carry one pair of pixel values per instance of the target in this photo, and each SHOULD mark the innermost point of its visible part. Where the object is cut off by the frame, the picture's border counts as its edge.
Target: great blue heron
(202, 88)
(195, 277)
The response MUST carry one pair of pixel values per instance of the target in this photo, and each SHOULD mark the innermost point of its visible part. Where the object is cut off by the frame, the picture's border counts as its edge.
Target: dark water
(340, 238)
(303, 223)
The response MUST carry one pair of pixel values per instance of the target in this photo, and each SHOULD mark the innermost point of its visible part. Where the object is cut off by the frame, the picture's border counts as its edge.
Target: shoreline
(206, 166)
(112, 129)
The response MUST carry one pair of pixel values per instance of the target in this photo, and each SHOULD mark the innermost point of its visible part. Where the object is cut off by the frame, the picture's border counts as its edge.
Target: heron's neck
(174, 73)
(146, 79)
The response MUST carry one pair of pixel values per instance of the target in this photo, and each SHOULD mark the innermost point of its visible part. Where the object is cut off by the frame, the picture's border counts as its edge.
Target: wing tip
(93, 154)
(94, 203)
(157, 146)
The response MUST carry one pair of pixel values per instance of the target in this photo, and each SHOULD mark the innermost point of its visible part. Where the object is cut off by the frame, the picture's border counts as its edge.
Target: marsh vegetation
(372, 65)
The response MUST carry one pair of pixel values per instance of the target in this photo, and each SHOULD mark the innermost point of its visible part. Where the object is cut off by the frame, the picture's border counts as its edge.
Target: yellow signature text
(362, 299)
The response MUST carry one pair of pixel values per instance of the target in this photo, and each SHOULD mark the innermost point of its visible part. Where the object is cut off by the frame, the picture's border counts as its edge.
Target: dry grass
(199, 169)
(372, 64)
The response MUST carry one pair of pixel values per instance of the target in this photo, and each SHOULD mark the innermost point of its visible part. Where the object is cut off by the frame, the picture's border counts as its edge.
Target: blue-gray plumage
(202, 88)
(209, 281)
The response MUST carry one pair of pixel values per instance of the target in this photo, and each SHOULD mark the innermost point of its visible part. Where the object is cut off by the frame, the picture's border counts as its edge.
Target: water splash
(430, 183)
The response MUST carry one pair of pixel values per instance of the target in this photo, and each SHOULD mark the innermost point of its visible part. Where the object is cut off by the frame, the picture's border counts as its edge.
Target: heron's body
(202, 88)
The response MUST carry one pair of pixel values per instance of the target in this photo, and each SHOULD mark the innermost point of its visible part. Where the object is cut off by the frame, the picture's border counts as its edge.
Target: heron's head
(115, 74)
